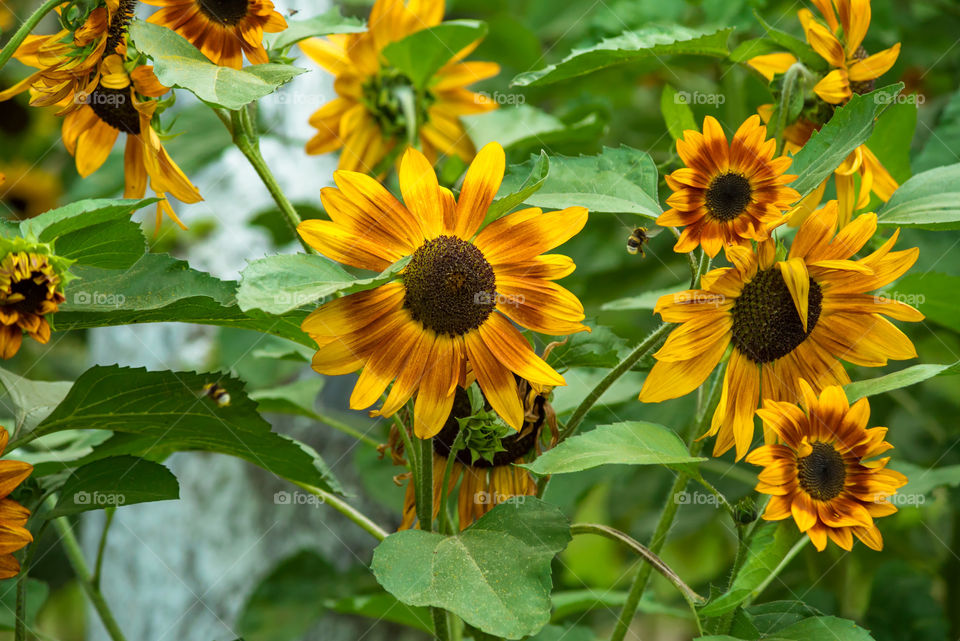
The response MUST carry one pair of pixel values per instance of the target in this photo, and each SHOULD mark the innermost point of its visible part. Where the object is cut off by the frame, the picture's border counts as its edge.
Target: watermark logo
(900, 297)
(902, 500)
(496, 298)
(699, 98)
(293, 300)
(899, 99)
(696, 498)
(496, 498)
(297, 498)
(499, 98)
(101, 98)
(100, 299)
(695, 297)
(107, 499)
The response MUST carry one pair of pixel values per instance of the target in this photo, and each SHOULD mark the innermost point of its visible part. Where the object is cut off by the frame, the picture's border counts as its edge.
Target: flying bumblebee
(219, 395)
(638, 238)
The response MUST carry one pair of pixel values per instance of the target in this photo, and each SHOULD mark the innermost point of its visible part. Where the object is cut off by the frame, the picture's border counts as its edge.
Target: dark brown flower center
(228, 12)
(450, 286)
(728, 195)
(118, 25)
(822, 473)
(115, 107)
(517, 445)
(863, 86)
(33, 293)
(766, 325)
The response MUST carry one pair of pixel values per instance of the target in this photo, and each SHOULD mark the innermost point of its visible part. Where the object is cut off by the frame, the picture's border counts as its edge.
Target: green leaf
(646, 300)
(850, 126)
(934, 294)
(770, 617)
(630, 46)
(770, 544)
(941, 147)
(930, 200)
(621, 180)
(495, 574)
(29, 402)
(896, 380)
(511, 194)
(177, 63)
(799, 48)
(626, 443)
(923, 480)
(524, 129)
(749, 49)
(158, 413)
(113, 244)
(598, 348)
(159, 288)
(79, 215)
(325, 24)
(421, 54)
(823, 629)
(279, 284)
(675, 107)
(113, 482)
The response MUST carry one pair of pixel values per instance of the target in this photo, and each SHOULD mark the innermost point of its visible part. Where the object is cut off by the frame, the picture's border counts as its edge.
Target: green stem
(247, 140)
(347, 510)
(666, 521)
(340, 426)
(21, 34)
(622, 368)
(424, 483)
(109, 512)
(20, 627)
(446, 526)
(75, 556)
(799, 545)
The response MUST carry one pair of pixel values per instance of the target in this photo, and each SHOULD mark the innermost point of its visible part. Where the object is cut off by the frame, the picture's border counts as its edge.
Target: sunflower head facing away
(31, 287)
(821, 470)
(487, 450)
(728, 194)
(13, 516)
(454, 300)
(783, 320)
(224, 30)
(378, 109)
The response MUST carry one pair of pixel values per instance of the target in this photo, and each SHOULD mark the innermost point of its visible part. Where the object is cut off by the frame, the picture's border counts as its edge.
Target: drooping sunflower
(785, 320)
(822, 473)
(454, 299)
(485, 481)
(31, 287)
(369, 119)
(13, 516)
(27, 192)
(121, 104)
(839, 42)
(224, 30)
(728, 194)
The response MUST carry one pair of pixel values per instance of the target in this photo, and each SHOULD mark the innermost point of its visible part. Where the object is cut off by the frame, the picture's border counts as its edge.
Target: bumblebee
(638, 238)
(220, 395)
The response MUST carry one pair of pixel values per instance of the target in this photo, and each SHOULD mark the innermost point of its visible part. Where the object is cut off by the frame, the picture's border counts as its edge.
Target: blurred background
(228, 561)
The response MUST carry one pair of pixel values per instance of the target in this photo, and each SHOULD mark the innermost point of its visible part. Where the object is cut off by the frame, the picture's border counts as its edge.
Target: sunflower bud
(745, 510)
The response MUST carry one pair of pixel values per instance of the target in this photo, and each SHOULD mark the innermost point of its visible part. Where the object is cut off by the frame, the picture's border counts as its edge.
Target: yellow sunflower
(29, 191)
(456, 296)
(30, 288)
(121, 104)
(367, 119)
(839, 43)
(785, 320)
(821, 474)
(224, 30)
(486, 481)
(13, 516)
(728, 194)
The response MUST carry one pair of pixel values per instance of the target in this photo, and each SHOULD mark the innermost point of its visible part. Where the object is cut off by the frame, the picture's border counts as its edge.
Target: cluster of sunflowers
(773, 327)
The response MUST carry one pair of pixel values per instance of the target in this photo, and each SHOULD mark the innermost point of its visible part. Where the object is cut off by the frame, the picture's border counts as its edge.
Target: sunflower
(821, 474)
(224, 30)
(839, 42)
(455, 298)
(785, 320)
(371, 116)
(30, 288)
(121, 104)
(29, 191)
(13, 516)
(728, 194)
(488, 477)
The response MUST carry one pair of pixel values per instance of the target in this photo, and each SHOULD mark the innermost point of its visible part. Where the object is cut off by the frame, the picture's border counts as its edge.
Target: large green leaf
(113, 482)
(282, 283)
(941, 147)
(930, 200)
(622, 180)
(421, 54)
(29, 402)
(626, 443)
(630, 46)
(922, 480)
(495, 574)
(770, 544)
(77, 215)
(850, 126)
(895, 380)
(177, 63)
(677, 114)
(115, 244)
(524, 129)
(646, 300)
(157, 413)
(822, 629)
(159, 288)
(325, 24)
(934, 294)
(511, 195)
